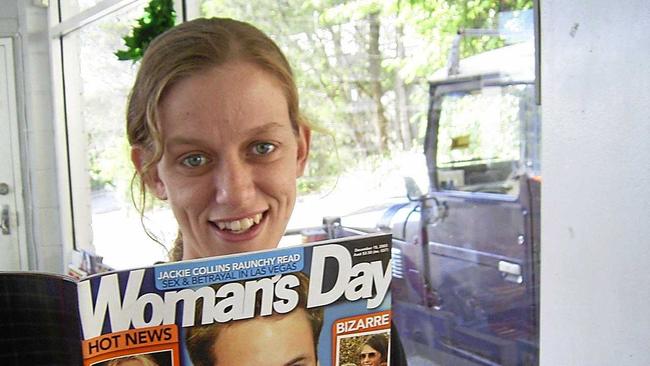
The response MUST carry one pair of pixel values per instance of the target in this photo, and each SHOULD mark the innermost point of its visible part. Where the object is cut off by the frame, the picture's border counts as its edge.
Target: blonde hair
(146, 360)
(185, 50)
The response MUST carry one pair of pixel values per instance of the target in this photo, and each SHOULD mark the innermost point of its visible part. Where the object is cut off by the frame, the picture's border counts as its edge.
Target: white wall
(595, 300)
(28, 26)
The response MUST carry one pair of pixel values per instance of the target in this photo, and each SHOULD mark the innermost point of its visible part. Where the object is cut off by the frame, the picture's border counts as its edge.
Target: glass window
(363, 70)
(480, 138)
(347, 59)
(70, 8)
(97, 85)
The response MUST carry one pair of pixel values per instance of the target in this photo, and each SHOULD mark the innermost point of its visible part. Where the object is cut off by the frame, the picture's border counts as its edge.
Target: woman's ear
(139, 157)
(304, 141)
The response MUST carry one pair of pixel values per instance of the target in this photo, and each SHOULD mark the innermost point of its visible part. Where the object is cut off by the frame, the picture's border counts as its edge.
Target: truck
(466, 266)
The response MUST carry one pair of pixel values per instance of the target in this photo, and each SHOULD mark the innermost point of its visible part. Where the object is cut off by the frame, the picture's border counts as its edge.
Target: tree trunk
(401, 103)
(374, 56)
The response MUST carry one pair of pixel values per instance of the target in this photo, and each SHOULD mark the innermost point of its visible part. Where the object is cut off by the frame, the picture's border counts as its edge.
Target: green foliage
(441, 19)
(159, 16)
(324, 164)
(489, 121)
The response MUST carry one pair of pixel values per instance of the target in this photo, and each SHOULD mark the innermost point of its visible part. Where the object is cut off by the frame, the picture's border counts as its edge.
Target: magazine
(304, 304)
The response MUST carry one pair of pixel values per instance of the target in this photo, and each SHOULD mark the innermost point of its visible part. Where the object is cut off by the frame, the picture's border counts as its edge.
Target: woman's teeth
(240, 225)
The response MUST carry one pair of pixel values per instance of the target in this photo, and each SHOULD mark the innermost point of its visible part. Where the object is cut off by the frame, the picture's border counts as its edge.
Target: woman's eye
(263, 148)
(194, 161)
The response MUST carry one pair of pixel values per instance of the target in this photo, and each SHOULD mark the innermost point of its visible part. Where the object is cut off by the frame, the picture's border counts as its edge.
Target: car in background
(466, 253)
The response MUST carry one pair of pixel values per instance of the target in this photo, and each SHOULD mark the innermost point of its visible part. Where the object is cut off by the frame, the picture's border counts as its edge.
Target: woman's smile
(243, 229)
(240, 225)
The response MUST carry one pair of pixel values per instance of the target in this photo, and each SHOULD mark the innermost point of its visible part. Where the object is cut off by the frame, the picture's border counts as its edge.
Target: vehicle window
(479, 139)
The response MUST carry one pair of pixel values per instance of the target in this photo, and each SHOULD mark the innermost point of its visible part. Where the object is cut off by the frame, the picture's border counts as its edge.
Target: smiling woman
(215, 129)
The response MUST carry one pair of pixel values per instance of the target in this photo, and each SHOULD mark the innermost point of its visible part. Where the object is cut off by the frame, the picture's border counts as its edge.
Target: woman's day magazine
(168, 313)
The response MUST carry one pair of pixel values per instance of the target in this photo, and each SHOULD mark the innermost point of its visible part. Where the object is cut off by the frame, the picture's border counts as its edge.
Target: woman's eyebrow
(267, 127)
(297, 359)
(183, 140)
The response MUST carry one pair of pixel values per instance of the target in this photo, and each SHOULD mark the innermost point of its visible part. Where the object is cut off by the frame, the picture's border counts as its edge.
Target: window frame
(75, 210)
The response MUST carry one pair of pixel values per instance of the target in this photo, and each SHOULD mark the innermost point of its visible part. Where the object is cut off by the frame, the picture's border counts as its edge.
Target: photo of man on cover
(277, 339)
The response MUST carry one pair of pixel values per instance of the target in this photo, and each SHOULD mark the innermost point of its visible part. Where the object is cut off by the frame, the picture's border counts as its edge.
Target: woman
(215, 129)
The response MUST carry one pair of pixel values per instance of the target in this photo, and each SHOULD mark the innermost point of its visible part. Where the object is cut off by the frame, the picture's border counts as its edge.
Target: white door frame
(18, 235)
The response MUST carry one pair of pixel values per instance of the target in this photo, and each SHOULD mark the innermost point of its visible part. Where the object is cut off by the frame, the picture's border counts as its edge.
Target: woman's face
(230, 160)
(369, 356)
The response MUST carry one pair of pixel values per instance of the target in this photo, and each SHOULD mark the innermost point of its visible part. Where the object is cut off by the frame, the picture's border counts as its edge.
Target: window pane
(480, 138)
(468, 293)
(97, 85)
(70, 8)
(345, 65)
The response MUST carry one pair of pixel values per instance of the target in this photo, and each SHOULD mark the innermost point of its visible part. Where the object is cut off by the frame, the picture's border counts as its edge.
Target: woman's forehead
(367, 348)
(237, 70)
(239, 98)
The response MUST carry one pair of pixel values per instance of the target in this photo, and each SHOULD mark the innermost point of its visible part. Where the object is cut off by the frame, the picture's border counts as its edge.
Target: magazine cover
(319, 303)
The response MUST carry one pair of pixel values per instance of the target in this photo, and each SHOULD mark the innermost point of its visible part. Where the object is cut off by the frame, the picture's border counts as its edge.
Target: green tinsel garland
(159, 16)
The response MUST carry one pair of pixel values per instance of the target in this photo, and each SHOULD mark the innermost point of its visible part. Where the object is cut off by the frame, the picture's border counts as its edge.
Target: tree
(159, 16)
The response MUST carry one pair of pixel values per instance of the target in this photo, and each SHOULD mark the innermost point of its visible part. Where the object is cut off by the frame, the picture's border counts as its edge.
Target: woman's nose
(234, 182)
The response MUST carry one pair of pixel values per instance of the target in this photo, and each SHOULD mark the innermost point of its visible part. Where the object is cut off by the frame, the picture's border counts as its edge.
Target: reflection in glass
(480, 139)
(70, 8)
(97, 85)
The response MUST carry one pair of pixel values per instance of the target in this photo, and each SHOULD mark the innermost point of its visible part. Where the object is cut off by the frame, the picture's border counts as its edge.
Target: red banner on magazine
(132, 342)
(358, 326)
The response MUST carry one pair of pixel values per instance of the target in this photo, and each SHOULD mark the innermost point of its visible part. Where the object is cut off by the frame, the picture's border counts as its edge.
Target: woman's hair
(200, 339)
(378, 342)
(146, 360)
(185, 50)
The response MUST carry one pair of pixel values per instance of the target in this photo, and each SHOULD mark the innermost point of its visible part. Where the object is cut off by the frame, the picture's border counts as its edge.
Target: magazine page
(40, 321)
(317, 303)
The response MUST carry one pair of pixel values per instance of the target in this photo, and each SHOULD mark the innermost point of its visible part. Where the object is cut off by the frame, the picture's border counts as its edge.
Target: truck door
(477, 256)
(480, 222)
